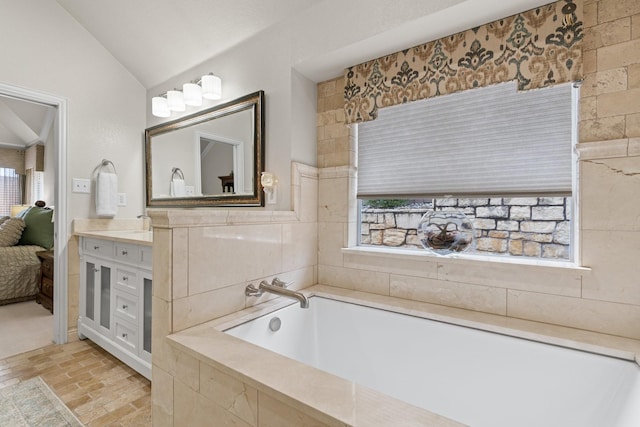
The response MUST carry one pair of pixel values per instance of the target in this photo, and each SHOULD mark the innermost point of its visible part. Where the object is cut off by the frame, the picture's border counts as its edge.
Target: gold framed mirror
(211, 158)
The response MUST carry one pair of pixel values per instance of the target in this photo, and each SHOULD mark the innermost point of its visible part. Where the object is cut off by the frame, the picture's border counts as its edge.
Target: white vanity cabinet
(115, 299)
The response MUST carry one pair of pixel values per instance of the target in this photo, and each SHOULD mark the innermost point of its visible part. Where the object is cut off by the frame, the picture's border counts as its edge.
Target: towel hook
(177, 171)
(106, 163)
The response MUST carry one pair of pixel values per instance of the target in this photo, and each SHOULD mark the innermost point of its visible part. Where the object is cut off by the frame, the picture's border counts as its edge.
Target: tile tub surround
(222, 366)
(204, 258)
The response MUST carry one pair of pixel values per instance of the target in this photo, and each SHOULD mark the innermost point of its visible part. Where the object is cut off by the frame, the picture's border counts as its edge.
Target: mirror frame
(254, 100)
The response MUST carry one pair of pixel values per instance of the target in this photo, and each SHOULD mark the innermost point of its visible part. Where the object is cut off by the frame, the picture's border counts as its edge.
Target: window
(10, 190)
(504, 158)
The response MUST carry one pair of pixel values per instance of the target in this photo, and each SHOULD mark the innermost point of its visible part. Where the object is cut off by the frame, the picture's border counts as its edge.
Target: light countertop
(138, 237)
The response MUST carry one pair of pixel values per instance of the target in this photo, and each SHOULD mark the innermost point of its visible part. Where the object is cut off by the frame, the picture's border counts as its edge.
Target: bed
(21, 237)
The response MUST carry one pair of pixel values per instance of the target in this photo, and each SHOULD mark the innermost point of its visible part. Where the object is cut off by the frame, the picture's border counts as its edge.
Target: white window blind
(485, 141)
(10, 190)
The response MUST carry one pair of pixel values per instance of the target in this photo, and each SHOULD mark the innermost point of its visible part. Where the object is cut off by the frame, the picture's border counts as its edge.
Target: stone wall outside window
(538, 227)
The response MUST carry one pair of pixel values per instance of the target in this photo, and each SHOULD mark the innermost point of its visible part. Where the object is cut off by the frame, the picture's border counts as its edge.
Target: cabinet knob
(95, 248)
(124, 335)
(124, 306)
(125, 278)
(95, 270)
(124, 252)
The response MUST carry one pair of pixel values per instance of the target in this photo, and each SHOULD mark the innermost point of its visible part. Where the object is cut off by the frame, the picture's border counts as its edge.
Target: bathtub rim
(240, 359)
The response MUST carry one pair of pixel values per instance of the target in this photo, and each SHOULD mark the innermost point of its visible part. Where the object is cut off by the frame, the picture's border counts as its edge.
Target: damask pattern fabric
(538, 48)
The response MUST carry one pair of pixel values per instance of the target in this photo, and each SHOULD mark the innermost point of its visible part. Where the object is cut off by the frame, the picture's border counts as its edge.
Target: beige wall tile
(194, 410)
(308, 210)
(634, 145)
(613, 257)
(634, 75)
(73, 255)
(602, 150)
(602, 129)
(201, 307)
(606, 317)
(162, 326)
(180, 266)
(332, 200)
(299, 245)
(619, 55)
(472, 297)
(73, 292)
(609, 194)
(635, 26)
(226, 391)
(187, 369)
(222, 256)
(421, 267)
(608, 33)
(632, 126)
(162, 398)
(607, 81)
(273, 413)
(557, 281)
(589, 61)
(359, 280)
(609, 10)
(162, 264)
(331, 239)
(619, 103)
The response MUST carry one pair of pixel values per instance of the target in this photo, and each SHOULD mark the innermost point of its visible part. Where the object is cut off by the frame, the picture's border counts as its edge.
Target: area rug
(31, 403)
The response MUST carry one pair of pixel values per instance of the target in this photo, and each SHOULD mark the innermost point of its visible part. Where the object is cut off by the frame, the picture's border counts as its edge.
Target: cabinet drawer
(47, 287)
(127, 253)
(126, 335)
(127, 280)
(126, 306)
(97, 246)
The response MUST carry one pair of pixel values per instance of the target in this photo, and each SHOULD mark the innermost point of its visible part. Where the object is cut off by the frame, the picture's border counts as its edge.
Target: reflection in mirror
(212, 158)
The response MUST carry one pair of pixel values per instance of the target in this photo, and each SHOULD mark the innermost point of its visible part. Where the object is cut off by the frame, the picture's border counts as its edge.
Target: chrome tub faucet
(277, 287)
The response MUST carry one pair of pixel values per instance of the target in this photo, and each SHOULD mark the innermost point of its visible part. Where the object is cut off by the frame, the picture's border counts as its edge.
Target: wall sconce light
(208, 87)
(269, 182)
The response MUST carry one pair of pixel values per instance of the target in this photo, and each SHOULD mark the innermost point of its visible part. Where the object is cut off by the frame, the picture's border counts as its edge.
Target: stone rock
(394, 237)
(492, 212)
(508, 225)
(532, 249)
(555, 251)
(499, 234)
(364, 229)
(548, 213)
(472, 202)
(562, 234)
(376, 237)
(484, 224)
(446, 202)
(551, 201)
(488, 244)
(408, 220)
(520, 213)
(524, 201)
(515, 247)
(390, 220)
(537, 226)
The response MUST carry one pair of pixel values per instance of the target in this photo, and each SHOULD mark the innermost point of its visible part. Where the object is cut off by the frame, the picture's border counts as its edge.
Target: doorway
(59, 147)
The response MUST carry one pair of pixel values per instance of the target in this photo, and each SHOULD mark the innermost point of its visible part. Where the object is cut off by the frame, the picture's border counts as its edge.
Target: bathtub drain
(275, 323)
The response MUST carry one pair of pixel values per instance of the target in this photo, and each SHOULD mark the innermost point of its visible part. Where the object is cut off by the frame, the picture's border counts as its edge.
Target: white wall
(44, 49)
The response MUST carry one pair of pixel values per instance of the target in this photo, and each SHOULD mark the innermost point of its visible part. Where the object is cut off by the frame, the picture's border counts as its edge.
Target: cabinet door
(145, 346)
(96, 295)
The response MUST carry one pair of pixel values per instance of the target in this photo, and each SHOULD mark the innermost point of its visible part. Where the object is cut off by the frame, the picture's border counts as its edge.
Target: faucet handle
(252, 291)
(280, 283)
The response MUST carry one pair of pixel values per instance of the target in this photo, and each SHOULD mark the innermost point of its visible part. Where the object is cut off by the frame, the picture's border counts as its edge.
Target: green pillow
(38, 228)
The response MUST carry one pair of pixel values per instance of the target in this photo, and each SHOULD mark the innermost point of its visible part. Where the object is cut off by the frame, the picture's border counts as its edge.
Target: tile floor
(96, 386)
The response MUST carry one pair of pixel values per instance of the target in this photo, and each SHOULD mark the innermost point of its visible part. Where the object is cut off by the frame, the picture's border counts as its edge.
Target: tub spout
(277, 288)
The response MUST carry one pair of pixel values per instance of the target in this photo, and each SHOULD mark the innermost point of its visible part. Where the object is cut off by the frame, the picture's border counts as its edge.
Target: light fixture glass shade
(211, 87)
(160, 107)
(175, 99)
(192, 94)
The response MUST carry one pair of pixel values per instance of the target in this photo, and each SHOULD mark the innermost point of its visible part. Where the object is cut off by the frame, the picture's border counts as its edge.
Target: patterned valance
(538, 48)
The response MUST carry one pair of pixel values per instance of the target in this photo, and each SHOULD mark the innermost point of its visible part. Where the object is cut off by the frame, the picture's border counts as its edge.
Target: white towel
(178, 188)
(106, 194)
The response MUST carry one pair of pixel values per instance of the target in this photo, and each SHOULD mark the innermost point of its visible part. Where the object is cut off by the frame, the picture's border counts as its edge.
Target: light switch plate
(122, 199)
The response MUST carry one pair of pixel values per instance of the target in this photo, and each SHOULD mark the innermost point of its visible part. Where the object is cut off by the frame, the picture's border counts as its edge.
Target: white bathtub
(471, 376)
